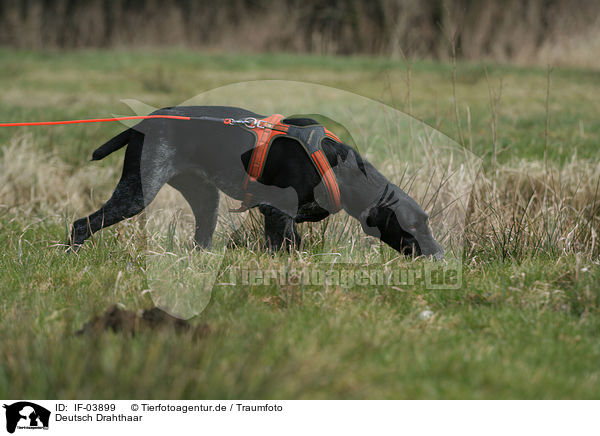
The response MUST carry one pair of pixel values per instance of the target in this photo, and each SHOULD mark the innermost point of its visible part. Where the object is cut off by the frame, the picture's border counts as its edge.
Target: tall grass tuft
(527, 211)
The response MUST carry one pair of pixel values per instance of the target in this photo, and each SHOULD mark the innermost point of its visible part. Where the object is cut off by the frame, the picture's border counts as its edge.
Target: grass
(524, 324)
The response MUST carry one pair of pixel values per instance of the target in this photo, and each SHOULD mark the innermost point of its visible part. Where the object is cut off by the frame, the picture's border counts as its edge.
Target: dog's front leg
(280, 229)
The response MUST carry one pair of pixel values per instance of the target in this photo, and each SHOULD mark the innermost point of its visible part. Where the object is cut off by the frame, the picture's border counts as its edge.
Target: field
(524, 324)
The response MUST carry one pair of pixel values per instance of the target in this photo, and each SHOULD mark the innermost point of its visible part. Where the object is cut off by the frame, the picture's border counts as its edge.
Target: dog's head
(400, 222)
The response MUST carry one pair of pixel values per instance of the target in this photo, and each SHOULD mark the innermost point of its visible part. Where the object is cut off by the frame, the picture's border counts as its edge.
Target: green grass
(524, 324)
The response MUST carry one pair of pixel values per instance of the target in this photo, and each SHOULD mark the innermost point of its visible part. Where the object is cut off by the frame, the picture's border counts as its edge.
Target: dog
(213, 151)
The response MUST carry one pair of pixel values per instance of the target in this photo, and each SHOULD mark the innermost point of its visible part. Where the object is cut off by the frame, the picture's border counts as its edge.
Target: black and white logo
(26, 415)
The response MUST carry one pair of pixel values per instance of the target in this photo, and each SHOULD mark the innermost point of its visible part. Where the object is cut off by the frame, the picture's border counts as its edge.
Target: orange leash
(93, 120)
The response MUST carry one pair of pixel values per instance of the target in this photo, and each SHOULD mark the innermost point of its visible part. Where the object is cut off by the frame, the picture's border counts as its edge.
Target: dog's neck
(361, 185)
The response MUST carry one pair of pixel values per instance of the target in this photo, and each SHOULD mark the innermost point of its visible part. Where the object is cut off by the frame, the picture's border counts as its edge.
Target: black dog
(199, 157)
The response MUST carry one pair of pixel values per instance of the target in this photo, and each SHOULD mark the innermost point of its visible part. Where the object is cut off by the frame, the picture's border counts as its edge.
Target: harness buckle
(262, 124)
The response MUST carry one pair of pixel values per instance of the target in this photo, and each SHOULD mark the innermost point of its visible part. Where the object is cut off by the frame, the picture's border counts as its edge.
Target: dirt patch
(130, 322)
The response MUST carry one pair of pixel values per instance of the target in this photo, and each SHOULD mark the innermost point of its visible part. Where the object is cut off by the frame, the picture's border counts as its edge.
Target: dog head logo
(26, 415)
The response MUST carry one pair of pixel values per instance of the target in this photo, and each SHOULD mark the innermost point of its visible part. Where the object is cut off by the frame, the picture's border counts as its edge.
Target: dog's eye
(413, 228)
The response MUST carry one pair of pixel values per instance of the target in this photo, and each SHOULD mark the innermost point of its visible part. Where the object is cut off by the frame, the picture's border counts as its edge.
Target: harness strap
(271, 127)
(322, 165)
(268, 128)
(263, 142)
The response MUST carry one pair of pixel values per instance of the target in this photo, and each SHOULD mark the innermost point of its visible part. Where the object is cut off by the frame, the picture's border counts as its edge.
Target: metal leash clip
(249, 122)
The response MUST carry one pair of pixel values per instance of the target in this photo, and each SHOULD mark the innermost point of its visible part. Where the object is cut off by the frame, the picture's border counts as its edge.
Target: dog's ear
(371, 219)
(368, 221)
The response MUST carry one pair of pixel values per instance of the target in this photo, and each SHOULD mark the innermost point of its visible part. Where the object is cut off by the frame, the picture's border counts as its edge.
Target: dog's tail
(119, 141)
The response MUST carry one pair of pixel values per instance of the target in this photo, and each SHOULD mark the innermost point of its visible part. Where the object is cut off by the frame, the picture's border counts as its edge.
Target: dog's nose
(438, 254)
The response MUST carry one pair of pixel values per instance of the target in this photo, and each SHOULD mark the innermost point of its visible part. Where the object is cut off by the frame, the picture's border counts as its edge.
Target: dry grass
(528, 210)
(33, 182)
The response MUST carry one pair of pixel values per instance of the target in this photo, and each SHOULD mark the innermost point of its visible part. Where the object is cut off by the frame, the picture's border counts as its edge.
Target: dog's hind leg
(280, 229)
(139, 184)
(203, 198)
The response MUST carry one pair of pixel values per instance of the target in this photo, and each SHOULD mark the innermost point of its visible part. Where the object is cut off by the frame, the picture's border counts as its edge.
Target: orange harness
(309, 137)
